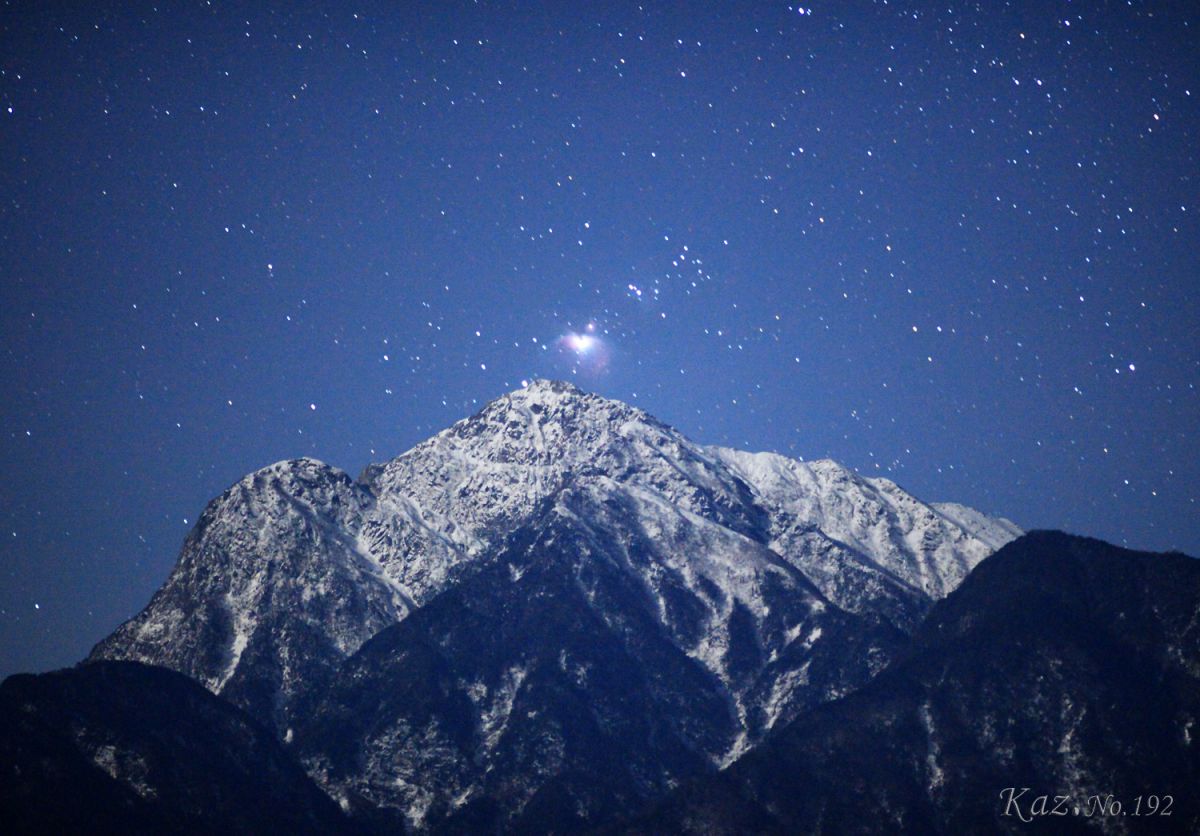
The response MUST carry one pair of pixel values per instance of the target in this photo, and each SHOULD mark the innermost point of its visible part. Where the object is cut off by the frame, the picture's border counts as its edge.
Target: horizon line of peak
(553, 384)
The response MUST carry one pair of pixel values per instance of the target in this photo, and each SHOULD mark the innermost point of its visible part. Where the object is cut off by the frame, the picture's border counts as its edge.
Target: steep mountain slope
(272, 590)
(119, 747)
(1063, 665)
(590, 668)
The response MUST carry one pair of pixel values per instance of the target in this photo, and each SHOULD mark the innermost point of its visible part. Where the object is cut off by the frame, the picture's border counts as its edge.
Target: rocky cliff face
(272, 590)
(732, 590)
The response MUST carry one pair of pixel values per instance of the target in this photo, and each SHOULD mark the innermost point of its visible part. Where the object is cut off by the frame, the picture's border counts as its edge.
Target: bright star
(581, 344)
(584, 352)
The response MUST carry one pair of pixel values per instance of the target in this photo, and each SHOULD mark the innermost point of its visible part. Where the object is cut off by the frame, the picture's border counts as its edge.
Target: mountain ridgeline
(560, 614)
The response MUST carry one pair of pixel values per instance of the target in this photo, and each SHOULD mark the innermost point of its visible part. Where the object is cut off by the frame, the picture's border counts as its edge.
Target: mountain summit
(436, 639)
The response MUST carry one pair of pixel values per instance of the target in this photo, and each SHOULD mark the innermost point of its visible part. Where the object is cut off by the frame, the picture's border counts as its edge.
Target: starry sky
(951, 244)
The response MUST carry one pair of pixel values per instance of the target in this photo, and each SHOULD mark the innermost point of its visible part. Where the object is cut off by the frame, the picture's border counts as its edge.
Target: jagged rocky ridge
(1063, 668)
(765, 585)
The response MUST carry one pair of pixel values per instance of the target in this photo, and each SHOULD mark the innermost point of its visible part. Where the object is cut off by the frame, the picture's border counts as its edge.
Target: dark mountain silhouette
(1063, 665)
(121, 747)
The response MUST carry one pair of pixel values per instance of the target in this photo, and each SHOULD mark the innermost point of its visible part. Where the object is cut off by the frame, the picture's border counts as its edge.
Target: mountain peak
(546, 422)
(546, 384)
(549, 393)
(543, 394)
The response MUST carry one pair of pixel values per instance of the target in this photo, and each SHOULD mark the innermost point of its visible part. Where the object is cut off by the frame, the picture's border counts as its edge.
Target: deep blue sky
(953, 244)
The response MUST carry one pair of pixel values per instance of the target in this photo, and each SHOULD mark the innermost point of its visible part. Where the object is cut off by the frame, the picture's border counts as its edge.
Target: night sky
(952, 244)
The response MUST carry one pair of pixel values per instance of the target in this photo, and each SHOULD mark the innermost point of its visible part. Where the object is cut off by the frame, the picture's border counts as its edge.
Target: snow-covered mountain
(272, 590)
(768, 585)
